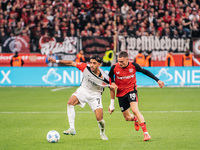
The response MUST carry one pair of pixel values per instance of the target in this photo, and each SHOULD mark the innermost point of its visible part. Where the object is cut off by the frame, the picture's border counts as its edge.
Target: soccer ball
(53, 136)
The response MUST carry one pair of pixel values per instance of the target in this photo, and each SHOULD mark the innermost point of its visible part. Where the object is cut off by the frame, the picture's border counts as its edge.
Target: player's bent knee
(69, 103)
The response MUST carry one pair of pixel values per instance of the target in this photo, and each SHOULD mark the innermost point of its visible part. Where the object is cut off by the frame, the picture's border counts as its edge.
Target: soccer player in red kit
(123, 77)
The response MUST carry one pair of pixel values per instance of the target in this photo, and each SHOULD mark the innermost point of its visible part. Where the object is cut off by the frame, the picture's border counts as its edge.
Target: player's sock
(71, 115)
(144, 128)
(101, 125)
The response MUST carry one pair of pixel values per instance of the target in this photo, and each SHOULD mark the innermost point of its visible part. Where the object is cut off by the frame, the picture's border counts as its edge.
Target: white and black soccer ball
(53, 136)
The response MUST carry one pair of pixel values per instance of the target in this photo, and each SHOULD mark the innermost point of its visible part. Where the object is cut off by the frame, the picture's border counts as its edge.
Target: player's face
(94, 65)
(123, 61)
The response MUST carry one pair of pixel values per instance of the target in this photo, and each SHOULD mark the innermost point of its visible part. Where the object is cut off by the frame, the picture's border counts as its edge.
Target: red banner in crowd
(16, 43)
(95, 45)
(64, 48)
(34, 60)
(178, 60)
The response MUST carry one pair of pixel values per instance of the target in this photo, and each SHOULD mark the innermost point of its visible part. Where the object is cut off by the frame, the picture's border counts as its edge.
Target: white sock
(101, 125)
(71, 115)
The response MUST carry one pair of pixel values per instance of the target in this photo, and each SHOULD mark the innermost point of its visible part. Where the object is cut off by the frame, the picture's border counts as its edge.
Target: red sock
(143, 126)
(135, 118)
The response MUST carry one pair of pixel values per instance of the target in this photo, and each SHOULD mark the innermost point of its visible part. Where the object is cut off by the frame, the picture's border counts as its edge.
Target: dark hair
(16, 52)
(123, 54)
(140, 51)
(96, 57)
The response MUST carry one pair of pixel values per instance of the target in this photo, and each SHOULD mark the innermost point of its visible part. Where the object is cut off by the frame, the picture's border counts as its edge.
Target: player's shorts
(124, 101)
(87, 96)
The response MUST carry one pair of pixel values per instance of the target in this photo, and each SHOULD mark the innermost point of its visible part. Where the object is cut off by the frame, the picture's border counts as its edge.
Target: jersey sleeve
(111, 74)
(81, 66)
(144, 71)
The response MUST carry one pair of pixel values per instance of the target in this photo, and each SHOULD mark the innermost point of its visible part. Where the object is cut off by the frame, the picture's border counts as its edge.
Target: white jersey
(92, 82)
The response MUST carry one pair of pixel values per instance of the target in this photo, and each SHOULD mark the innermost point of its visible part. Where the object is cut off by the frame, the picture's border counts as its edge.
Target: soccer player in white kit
(93, 82)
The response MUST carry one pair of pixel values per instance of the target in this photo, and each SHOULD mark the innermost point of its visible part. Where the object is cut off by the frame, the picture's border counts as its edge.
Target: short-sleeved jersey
(125, 78)
(90, 81)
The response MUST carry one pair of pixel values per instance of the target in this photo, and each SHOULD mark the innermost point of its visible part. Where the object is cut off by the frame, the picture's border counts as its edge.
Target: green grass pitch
(28, 113)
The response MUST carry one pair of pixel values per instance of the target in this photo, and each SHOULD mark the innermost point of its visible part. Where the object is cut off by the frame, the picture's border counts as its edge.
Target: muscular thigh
(73, 100)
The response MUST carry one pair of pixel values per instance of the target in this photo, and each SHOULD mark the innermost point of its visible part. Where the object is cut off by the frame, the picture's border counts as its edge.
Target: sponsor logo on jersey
(117, 72)
(125, 77)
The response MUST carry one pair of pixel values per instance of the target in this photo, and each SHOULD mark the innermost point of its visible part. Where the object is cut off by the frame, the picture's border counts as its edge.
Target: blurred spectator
(108, 57)
(49, 64)
(167, 32)
(169, 59)
(167, 17)
(181, 33)
(194, 14)
(187, 59)
(80, 56)
(148, 60)
(186, 24)
(96, 18)
(140, 59)
(18, 29)
(124, 9)
(16, 60)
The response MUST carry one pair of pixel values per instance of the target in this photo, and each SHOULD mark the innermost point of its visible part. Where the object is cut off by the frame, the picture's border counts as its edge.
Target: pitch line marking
(60, 88)
(87, 112)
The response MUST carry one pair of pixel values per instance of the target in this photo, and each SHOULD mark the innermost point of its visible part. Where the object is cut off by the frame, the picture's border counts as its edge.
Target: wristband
(112, 102)
(112, 105)
(57, 61)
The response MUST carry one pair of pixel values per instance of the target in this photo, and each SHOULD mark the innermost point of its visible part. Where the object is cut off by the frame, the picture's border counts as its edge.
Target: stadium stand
(62, 18)
(173, 18)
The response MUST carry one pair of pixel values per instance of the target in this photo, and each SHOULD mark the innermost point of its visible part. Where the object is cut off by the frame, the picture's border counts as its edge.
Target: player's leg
(95, 104)
(125, 108)
(130, 117)
(101, 123)
(136, 112)
(71, 114)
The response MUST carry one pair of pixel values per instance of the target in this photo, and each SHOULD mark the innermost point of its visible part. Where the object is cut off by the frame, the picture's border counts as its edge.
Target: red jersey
(125, 78)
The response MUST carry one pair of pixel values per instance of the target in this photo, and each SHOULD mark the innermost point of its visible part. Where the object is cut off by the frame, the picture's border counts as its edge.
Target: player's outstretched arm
(65, 62)
(160, 83)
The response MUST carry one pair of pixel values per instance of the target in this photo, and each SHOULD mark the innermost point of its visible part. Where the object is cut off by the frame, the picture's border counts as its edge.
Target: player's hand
(113, 86)
(52, 60)
(161, 83)
(111, 110)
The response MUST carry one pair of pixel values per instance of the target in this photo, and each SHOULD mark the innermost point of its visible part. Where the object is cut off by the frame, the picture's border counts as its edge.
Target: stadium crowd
(61, 18)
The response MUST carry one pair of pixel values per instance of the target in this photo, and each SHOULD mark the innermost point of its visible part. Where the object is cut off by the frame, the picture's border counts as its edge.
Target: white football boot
(103, 136)
(102, 132)
(70, 131)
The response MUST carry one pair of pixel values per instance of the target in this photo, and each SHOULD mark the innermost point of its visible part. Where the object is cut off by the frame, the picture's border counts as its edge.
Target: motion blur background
(33, 28)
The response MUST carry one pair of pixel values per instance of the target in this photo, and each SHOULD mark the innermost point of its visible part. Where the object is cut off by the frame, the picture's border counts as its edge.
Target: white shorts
(87, 96)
